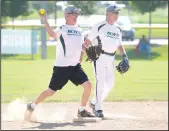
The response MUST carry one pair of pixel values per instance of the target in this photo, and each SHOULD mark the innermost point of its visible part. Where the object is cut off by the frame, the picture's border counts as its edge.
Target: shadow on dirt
(44, 125)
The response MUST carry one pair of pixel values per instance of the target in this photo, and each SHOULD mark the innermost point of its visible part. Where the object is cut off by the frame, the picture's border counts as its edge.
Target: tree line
(15, 8)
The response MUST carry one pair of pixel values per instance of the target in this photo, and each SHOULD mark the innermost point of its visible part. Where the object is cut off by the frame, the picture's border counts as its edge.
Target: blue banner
(18, 41)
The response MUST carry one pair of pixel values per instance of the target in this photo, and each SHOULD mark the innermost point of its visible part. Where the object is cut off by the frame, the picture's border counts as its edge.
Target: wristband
(125, 56)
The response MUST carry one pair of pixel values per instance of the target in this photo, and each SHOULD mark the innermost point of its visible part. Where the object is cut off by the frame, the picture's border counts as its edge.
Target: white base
(92, 119)
(107, 118)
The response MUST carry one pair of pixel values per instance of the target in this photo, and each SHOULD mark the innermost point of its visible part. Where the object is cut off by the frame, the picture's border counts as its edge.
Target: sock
(33, 105)
(82, 108)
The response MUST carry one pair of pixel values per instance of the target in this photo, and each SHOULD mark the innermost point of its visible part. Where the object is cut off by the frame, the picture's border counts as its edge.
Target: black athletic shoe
(98, 113)
(84, 113)
(28, 113)
(29, 108)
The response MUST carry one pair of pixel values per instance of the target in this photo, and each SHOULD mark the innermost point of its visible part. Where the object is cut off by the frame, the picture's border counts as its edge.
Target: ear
(66, 15)
(106, 14)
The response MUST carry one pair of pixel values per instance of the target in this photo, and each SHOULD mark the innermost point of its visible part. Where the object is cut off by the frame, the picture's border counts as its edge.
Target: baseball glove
(93, 52)
(123, 66)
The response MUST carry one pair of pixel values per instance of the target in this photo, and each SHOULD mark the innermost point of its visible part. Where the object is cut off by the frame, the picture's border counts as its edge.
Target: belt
(110, 54)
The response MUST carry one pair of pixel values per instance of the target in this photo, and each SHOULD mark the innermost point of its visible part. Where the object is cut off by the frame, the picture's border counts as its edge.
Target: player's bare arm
(92, 52)
(86, 45)
(50, 31)
(81, 56)
(122, 51)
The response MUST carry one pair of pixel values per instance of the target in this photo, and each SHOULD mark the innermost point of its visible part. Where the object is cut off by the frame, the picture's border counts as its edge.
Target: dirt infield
(124, 116)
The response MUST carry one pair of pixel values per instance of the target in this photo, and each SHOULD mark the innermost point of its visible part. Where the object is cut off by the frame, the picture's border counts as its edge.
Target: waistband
(110, 54)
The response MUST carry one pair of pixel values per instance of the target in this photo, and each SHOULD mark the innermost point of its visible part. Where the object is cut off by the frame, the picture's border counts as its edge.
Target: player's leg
(141, 48)
(85, 97)
(148, 50)
(80, 78)
(31, 106)
(58, 80)
(40, 98)
(96, 102)
(109, 80)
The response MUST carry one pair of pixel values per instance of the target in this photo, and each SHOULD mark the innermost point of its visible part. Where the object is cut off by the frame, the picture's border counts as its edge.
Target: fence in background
(43, 39)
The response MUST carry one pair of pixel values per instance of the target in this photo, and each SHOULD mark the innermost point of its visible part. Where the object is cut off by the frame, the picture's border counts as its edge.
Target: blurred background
(28, 53)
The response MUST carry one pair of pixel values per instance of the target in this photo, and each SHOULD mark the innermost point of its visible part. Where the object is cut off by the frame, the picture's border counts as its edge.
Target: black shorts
(61, 75)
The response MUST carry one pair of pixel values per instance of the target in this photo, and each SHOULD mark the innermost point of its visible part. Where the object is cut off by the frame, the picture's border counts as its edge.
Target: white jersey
(110, 36)
(69, 45)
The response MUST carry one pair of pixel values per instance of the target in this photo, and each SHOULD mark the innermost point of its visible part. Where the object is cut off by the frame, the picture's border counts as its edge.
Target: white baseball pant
(104, 69)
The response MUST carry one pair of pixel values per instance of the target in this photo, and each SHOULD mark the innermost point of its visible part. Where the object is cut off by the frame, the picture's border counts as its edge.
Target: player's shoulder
(118, 27)
(61, 27)
(100, 23)
(79, 27)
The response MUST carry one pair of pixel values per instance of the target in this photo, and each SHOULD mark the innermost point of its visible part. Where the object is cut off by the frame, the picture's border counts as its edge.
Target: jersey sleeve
(93, 33)
(83, 34)
(120, 37)
(58, 31)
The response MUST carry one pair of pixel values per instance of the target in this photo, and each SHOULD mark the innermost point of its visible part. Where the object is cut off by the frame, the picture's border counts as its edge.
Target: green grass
(158, 53)
(155, 33)
(146, 80)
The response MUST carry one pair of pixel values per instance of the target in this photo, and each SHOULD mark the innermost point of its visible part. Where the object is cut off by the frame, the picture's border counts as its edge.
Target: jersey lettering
(73, 32)
(112, 35)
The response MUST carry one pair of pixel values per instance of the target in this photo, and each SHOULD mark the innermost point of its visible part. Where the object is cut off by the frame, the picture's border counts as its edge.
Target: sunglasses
(74, 13)
(115, 12)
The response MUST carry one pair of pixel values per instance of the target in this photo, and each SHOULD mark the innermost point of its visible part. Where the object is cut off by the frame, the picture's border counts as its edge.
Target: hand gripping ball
(42, 11)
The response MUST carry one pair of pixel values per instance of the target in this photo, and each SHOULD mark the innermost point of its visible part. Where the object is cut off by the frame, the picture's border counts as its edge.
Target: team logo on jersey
(112, 35)
(73, 32)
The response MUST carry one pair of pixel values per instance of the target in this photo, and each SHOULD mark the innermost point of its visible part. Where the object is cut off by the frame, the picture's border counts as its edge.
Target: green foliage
(17, 7)
(147, 6)
(14, 9)
(123, 2)
(4, 8)
(87, 7)
(49, 6)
